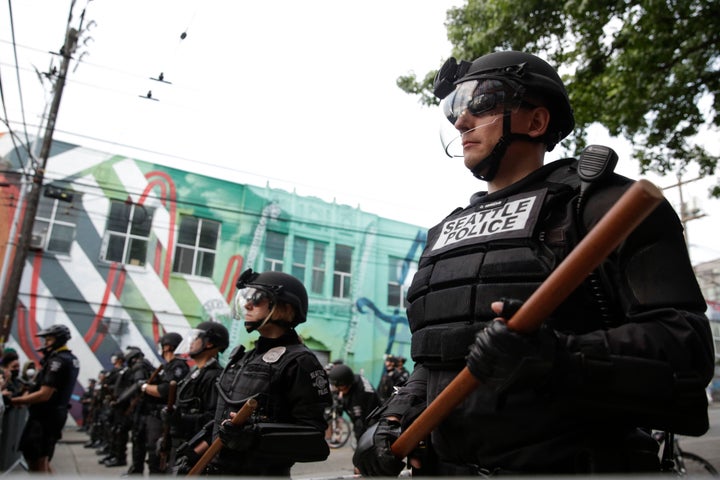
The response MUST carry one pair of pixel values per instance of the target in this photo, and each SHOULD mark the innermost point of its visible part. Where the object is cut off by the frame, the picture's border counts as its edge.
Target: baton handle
(627, 213)
(240, 418)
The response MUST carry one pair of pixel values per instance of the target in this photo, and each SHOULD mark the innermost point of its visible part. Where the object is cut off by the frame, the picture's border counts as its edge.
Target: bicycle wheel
(695, 465)
(339, 432)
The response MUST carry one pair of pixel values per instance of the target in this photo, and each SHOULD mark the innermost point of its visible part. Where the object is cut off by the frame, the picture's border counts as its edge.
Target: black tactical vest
(257, 373)
(492, 249)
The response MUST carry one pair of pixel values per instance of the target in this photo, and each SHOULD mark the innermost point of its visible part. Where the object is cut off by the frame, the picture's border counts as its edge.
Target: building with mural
(124, 250)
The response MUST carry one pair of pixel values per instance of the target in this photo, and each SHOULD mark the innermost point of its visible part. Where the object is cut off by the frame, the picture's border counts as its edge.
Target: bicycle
(676, 460)
(339, 428)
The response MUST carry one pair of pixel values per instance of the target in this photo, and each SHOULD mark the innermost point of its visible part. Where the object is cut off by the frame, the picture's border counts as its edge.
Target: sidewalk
(72, 460)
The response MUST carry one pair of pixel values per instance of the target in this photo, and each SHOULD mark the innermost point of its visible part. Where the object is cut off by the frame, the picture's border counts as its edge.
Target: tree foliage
(647, 70)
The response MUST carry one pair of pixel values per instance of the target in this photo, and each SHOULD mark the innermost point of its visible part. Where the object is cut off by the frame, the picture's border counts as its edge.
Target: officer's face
(256, 309)
(479, 135)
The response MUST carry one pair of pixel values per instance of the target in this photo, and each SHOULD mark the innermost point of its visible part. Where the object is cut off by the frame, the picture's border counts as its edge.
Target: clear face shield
(251, 297)
(485, 99)
(185, 348)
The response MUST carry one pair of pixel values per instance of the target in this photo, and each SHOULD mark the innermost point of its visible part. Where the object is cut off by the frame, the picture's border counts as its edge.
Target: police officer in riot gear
(357, 396)
(125, 412)
(196, 393)
(629, 350)
(155, 392)
(49, 399)
(282, 374)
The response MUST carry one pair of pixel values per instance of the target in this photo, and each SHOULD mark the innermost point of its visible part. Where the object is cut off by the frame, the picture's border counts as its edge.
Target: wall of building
(72, 275)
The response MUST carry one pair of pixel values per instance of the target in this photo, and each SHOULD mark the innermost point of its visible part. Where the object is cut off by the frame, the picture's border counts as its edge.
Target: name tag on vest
(513, 217)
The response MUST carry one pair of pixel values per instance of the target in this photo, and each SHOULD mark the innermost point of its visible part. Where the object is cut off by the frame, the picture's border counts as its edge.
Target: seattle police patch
(513, 217)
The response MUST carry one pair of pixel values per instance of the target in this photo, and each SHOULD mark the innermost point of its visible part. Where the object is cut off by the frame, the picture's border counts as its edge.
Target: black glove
(170, 416)
(373, 456)
(186, 462)
(506, 360)
(237, 438)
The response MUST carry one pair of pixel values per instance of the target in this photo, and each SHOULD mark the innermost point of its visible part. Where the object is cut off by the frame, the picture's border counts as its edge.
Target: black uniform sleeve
(308, 392)
(659, 348)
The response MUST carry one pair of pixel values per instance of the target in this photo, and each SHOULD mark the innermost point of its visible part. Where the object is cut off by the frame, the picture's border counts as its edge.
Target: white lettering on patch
(494, 219)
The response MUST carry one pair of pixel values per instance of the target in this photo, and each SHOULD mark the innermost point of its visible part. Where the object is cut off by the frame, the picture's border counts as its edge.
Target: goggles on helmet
(483, 97)
(248, 296)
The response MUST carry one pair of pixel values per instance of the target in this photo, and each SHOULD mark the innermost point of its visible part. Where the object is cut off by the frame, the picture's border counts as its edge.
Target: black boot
(116, 462)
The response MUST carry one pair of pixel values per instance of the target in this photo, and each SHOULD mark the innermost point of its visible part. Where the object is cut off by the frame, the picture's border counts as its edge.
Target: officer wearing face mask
(629, 350)
(49, 400)
(196, 393)
(10, 365)
(281, 373)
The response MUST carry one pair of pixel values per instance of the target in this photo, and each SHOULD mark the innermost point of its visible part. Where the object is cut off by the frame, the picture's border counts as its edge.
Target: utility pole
(8, 302)
(685, 214)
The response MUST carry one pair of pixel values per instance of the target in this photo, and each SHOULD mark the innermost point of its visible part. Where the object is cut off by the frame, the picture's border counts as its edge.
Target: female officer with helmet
(629, 350)
(281, 373)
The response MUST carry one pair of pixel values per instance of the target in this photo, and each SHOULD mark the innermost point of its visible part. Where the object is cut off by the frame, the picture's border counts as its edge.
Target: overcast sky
(300, 95)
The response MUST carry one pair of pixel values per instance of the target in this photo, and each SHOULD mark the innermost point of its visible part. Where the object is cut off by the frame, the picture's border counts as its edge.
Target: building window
(317, 283)
(274, 251)
(299, 265)
(309, 259)
(127, 232)
(342, 274)
(197, 242)
(54, 226)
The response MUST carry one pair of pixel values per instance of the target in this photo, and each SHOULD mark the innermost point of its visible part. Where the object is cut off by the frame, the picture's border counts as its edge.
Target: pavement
(72, 460)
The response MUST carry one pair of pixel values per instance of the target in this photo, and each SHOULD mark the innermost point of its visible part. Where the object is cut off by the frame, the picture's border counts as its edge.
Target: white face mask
(30, 372)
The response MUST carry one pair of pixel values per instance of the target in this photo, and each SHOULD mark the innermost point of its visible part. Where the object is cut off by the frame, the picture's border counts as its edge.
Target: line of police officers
(131, 401)
(173, 413)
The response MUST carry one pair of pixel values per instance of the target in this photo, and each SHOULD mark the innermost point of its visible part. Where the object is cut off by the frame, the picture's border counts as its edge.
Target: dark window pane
(300, 250)
(142, 220)
(138, 251)
(275, 245)
(45, 207)
(119, 217)
(61, 238)
(318, 281)
(209, 234)
(116, 245)
(183, 260)
(319, 256)
(343, 257)
(188, 230)
(393, 298)
(206, 261)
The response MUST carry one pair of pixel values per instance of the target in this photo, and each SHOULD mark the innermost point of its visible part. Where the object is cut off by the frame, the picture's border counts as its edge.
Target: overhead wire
(20, 94)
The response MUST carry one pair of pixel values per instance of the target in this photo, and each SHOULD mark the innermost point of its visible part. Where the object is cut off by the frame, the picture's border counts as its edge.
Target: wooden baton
(240, 417)
(627, 213)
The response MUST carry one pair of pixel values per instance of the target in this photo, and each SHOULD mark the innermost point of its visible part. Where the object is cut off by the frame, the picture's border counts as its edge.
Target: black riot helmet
(61, 333)
(132, 355)
(171, 338)
(341, 376)
(512, 79)
(277, 287)
(216, 333)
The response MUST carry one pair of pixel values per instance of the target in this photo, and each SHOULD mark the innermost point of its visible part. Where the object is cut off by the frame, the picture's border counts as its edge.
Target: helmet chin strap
(252, 326)
(491, 163)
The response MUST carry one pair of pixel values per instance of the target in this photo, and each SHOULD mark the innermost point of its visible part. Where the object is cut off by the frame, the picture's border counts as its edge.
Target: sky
(295, 95)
